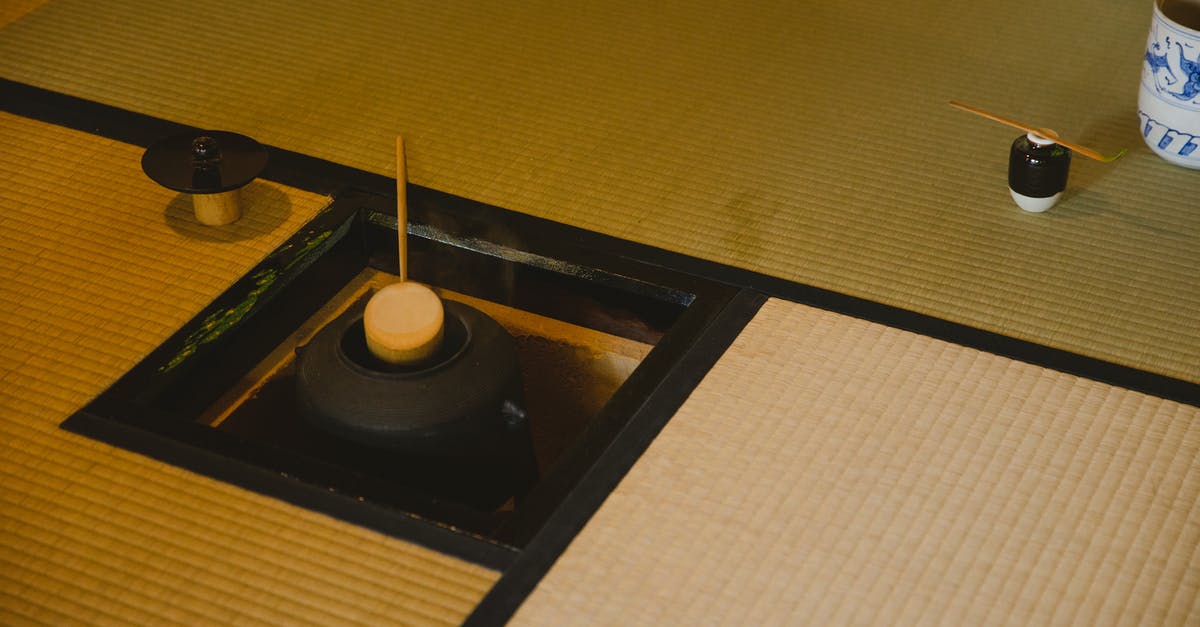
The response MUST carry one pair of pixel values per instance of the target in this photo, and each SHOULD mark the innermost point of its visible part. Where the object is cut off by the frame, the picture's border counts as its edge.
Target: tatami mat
(834, 471)
(12, 10)
(98, 265)
(806, 140)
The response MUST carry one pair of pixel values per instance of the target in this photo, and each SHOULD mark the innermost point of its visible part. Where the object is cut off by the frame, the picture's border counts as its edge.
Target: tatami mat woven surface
(12, 10)
(834, 471)
(804, 139)
(97, 266)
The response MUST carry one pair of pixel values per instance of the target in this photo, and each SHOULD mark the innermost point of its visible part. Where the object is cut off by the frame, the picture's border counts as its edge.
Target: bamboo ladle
(404, 321)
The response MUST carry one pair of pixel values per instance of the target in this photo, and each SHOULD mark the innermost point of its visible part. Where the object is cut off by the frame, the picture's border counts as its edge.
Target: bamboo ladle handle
(403, 322)
(402, 207)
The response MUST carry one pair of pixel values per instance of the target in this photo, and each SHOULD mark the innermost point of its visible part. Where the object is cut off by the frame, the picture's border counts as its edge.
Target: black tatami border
(530, 565)
(325, 177)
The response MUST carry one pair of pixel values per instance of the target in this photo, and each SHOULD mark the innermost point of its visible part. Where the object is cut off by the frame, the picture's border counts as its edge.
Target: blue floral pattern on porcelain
(1170, 72)
(1169, 94)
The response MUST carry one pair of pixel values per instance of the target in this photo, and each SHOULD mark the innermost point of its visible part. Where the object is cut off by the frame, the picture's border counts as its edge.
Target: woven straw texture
(834, 471)
(97, 267)
(12, 10)
(806, 140)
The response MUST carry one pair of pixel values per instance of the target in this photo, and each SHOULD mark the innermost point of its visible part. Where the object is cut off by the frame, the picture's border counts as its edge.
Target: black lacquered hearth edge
(157, 433)
(151, 409)
(522, 570)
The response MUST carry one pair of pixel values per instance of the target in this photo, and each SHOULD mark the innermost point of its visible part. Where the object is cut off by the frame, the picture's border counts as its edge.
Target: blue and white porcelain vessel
(1169, 97)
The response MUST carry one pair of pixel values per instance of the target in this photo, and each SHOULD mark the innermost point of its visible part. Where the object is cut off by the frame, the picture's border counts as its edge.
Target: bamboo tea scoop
(1040, 132)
